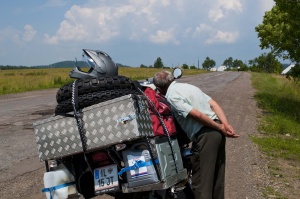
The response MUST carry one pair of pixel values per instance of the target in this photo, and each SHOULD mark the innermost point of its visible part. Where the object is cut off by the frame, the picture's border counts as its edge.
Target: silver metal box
(166, 167)
(114, 121)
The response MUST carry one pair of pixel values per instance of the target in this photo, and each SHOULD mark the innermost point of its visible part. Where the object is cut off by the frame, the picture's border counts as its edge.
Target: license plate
(106, 179)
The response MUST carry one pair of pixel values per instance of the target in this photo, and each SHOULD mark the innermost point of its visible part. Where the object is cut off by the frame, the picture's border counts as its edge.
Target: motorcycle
(71, 177)
(142, 167)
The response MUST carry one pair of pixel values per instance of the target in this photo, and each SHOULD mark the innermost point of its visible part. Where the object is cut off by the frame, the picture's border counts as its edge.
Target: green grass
(279, 99)
(272, 191)
(22, 80)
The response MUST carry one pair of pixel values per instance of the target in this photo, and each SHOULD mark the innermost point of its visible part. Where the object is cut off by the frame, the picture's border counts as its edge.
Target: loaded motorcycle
(101, 139)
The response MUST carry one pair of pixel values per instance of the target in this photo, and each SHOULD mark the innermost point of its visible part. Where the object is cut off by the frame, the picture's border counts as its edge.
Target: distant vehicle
(221, 68)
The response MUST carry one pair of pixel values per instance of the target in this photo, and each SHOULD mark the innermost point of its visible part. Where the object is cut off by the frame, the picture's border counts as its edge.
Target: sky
(132, 32)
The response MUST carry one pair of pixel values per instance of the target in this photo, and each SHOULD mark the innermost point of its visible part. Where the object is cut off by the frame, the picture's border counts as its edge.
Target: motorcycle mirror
(177, 73)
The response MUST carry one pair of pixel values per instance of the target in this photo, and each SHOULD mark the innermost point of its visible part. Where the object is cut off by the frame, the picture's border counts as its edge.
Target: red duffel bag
(164, 109)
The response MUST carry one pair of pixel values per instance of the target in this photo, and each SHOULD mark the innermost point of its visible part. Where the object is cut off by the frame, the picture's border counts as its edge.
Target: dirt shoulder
(246, 170)
(250, 173)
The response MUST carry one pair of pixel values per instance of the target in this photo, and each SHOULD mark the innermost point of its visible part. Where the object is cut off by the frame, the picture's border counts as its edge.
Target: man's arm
(206, 121)
(215, 107)
(225, 127)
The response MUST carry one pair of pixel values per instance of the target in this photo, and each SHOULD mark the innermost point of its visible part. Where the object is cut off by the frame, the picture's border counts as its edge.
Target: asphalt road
(21, 172)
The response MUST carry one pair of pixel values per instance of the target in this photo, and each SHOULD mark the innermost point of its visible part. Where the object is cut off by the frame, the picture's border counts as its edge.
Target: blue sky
(132, 32)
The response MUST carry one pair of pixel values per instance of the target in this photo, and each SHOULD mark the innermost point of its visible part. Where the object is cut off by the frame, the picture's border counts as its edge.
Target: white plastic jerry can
(58, 184)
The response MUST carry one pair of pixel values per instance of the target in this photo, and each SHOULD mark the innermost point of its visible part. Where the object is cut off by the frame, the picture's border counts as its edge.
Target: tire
(89, 99)
(92, 85)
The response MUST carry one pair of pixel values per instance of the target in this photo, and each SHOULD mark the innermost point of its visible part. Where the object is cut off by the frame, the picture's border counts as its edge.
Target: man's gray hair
(163, 79)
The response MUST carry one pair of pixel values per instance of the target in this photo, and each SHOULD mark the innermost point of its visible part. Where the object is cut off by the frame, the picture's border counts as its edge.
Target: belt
(218, 121)
(199, 132)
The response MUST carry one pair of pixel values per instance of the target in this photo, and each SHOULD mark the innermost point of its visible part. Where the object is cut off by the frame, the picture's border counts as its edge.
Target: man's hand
(203, 119)
(228, 131)
(226, 128)
(233, 136)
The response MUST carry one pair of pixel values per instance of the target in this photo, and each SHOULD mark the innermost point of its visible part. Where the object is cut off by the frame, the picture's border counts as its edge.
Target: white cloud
(212, 35)
(164, 37)
(88, 24)
(202, 28)
(29, 33)
(215, 14)
(17, 36)
(135, 19)
(266, 5)
(223, 37)
(68, 32)
(156, 21)
(234, 5)
(222, 7)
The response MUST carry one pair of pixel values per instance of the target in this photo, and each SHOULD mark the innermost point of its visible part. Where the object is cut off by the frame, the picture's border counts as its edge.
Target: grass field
(22, 80)
(279, 133)
(280, 124)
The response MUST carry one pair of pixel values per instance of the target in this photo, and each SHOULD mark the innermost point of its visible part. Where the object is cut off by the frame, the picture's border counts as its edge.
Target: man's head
(162, 81)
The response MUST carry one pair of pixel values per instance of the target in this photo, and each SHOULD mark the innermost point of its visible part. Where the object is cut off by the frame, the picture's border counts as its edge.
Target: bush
(294, 73)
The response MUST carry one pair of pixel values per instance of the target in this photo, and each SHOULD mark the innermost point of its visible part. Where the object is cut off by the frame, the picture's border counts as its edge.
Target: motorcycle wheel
(89, 99)
(91, 85)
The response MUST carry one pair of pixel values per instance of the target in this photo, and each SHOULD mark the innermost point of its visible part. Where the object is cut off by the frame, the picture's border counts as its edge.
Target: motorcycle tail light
(100, 156)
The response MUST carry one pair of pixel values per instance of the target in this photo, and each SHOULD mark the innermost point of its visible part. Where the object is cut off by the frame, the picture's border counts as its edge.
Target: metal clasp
(123, 120)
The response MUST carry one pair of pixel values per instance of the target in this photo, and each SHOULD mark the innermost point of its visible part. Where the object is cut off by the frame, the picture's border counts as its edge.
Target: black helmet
(99, 62)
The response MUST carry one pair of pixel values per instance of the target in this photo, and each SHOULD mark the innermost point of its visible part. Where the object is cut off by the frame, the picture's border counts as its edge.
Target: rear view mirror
(177, 73)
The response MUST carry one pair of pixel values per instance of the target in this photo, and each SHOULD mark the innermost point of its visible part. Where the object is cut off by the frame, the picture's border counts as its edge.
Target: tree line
(62, 64)
(266, 62)
(9, 67)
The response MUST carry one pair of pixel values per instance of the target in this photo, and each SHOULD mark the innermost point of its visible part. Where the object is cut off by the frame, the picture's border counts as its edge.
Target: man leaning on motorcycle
(207, 127)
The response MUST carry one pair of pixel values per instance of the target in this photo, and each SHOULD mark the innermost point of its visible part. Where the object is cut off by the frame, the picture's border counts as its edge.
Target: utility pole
(198, 62)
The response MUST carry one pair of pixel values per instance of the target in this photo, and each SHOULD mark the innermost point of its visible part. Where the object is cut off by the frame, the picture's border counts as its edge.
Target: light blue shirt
(183, 97)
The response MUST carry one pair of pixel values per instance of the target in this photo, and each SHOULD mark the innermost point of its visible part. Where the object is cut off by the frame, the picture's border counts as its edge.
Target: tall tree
(228, 62)
(280, 30)
(143, 66)
(266, 63)
(237, 63)
(294, 73)
(185, 66)
(158, 63)
(208, 63)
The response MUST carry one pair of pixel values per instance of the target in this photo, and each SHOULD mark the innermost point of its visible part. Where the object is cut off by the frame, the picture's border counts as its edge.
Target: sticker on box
(139, 171)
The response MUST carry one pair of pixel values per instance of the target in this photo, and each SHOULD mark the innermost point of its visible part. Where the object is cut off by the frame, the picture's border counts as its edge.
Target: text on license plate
(106, 178)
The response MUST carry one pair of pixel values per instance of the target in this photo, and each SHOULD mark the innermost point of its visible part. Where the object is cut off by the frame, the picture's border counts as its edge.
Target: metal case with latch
(114, 121)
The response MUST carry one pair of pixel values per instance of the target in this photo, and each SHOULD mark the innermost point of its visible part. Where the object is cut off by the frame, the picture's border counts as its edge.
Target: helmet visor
(89, 62)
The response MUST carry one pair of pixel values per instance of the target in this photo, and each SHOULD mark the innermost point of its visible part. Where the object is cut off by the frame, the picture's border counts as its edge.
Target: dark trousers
(208, 162)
